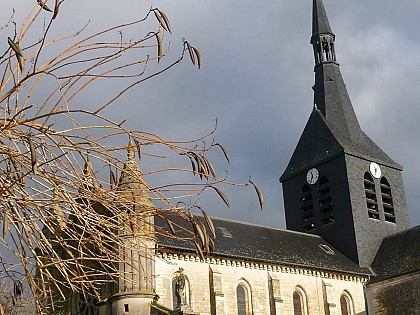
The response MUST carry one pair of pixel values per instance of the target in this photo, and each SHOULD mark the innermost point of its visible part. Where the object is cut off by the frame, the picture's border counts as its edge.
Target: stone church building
(347, 250)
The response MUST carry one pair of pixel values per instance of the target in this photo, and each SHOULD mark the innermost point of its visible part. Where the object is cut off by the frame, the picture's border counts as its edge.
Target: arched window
(325, 201)
(371, 200)
(387, 201)
(307, 207)
(299, 302)
(243, 299)
(346, 304)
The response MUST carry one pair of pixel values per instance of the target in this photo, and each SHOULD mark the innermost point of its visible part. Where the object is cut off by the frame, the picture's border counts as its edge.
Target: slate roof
(398, 254)
(320, 24)
(258, 243)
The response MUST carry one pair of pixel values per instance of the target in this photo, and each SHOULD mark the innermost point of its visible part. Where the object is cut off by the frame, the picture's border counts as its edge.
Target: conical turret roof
(131, 185)
(320, 23)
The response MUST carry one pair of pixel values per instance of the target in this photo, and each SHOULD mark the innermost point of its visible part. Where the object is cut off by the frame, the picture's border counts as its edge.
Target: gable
(316, 144)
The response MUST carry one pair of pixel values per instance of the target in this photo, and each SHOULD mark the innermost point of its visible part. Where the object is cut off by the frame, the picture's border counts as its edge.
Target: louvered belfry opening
(307, 206)
(371, 200)
(325, 201)
(324, 49)
(387, 201)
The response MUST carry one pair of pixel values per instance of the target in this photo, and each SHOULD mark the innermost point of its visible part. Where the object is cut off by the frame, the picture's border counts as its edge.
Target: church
(348, 248)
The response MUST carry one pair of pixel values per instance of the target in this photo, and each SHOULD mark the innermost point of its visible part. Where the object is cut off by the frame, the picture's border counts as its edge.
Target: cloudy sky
(257, 77)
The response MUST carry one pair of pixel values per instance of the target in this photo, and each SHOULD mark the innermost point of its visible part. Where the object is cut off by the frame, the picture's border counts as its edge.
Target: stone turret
(135, 288)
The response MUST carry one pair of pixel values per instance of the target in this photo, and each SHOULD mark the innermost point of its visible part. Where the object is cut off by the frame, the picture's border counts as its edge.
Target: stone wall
(269, 288)
(396, 296)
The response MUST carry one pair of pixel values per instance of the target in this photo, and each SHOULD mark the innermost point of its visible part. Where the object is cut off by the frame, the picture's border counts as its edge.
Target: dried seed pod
(163, 20)
(206, 242)
(138, 146)
(221, 194)
(15, 47)
(224, 150)
(198, 250)
(18, 52)
(209, 167)
(112, 179)
(56, 9)
(199, 57)
(201, 169)
(43, 6)
(192, 165)
(212, 246)
(191, 53)
(159, 19)
(259, 194)
(5, 224)
(159, 47)
(21, 63)
(34, 163)
(166, 21)
(209, 222)
(198, 231)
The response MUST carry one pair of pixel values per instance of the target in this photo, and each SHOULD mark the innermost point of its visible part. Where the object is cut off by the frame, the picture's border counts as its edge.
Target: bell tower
(339, 184)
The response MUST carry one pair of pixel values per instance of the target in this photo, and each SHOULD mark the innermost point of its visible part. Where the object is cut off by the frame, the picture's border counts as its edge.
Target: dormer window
(387, 201)
(371, 200)
(307, 207)
(325, 201)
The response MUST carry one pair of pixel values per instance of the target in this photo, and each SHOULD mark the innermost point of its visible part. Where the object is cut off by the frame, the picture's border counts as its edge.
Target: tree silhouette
(61, 208)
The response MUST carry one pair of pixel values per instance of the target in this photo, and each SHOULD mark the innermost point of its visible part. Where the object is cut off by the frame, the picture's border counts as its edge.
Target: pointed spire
(88, 181)
(130, 151)
(333, 126)
(56, 218)
(323, 39)
(131, 185)
(58, 211)
(320, 24)
(131, 172)
(134, 198)
(330, 93)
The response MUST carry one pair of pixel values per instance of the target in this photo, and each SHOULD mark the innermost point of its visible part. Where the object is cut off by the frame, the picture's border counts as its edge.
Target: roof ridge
(261, 226)
(403, 231)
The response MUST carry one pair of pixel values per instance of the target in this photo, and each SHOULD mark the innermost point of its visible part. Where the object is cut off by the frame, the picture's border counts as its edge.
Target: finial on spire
(130, 151)
(320, 23)
(88, 181)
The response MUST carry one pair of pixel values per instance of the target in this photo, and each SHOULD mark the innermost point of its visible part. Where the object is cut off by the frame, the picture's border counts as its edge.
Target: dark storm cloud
(257, 77)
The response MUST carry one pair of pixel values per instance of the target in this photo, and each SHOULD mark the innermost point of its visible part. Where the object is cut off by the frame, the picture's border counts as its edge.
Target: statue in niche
(180, 288)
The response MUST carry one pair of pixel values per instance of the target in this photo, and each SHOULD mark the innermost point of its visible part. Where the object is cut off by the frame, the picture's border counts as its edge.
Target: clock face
(312, 176)
(375, 170)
